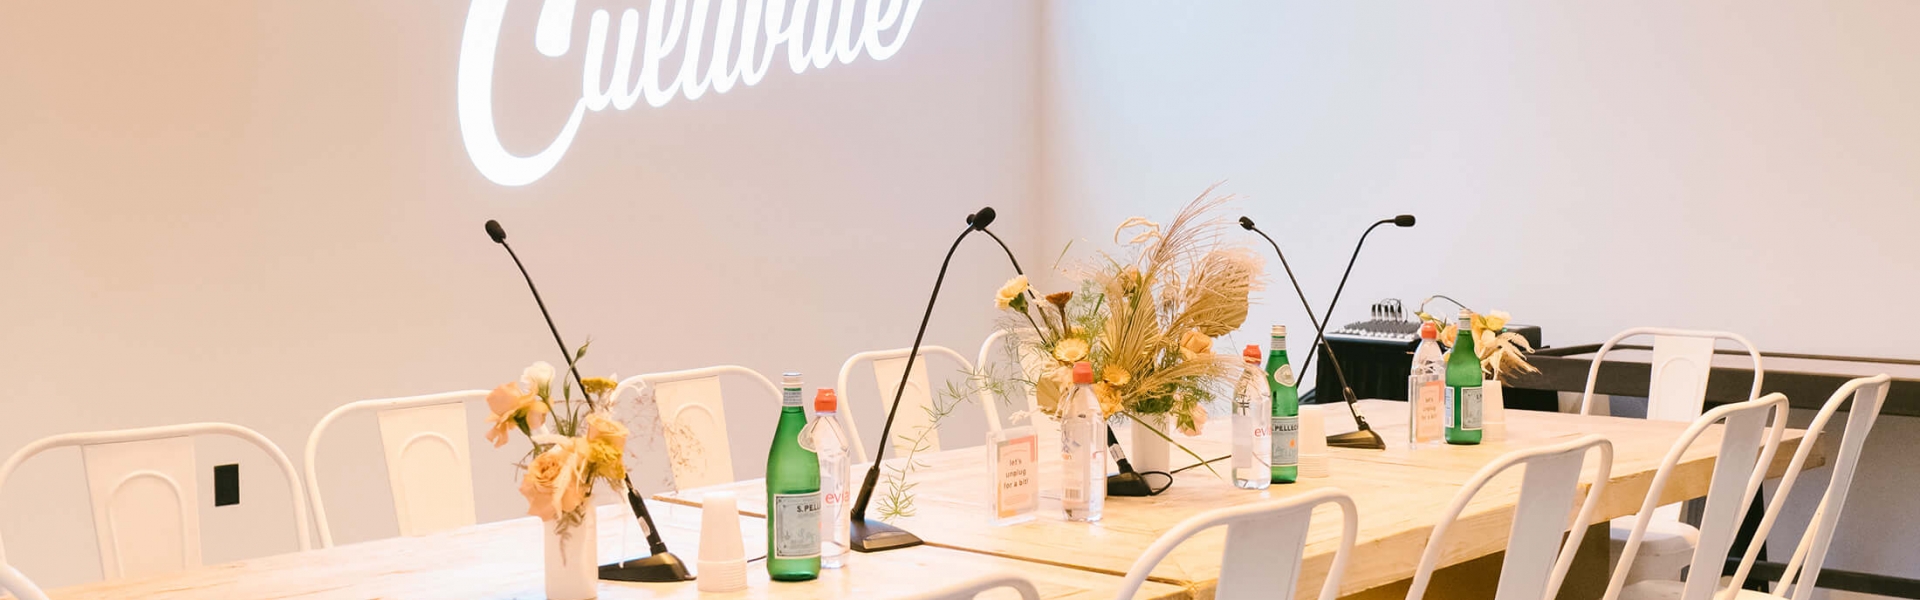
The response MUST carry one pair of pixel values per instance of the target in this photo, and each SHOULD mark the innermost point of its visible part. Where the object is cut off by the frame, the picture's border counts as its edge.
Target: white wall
(1586, 166)
(256, 211)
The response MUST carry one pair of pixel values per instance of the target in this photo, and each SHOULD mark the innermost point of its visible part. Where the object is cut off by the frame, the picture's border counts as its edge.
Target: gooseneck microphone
(661, 566)
(867, 535)
(1364, 437)
(1399, 221)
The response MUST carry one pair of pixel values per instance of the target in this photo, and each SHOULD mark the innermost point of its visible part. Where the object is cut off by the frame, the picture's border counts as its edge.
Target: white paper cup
(723, 562)
(1313, 442)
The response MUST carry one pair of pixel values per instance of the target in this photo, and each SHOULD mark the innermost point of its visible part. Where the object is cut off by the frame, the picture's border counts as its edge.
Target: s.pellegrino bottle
(1286, 410)
(824, 437)
(1252, 452)
(1426, 383)
(793, 493)
(1083, 441)
(1463, 386)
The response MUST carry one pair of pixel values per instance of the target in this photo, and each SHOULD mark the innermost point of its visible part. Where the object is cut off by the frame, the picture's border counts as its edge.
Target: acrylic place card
(1014, 460)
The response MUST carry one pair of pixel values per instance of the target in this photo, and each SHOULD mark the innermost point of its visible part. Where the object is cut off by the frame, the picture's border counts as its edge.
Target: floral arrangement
(1145, 319)
(1502, 353)
(575, 440)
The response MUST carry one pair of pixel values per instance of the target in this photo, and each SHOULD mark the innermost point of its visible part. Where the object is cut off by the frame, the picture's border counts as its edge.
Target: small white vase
(1493, 411)
(1149, 452)
(573, 561)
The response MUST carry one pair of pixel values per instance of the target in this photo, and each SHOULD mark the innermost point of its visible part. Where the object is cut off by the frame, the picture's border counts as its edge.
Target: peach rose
(1199, 415)
(1194, 344)
(511, 408)
(553, 483)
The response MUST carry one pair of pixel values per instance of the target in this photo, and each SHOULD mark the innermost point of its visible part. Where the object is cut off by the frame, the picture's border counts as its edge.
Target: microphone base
(868, 535)
(1128, 484)
(659, 568)
(1364, 439)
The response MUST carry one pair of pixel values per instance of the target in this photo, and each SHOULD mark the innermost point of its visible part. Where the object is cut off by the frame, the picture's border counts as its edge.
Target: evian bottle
(824, 438)
(1083, 441)
(1252, 415)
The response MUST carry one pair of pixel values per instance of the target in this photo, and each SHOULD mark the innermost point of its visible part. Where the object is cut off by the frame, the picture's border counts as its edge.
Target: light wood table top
(1400, 493)
(502, 560)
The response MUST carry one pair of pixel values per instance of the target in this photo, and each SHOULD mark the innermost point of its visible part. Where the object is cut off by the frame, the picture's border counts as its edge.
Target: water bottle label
(796, 525)
(1426, 397)
(1286, 441)
(1463, 408)
(790, 397)
(1284, 375)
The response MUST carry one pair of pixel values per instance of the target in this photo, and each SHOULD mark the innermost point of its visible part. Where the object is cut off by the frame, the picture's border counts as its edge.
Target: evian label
(748, 37)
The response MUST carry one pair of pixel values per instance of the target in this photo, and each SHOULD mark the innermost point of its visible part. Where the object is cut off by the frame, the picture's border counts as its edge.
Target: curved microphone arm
(1346, 391)
(1319, 336)
(859, 511)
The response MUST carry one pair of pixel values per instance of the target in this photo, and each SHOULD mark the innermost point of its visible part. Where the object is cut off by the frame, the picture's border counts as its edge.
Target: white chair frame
(969, 589)
(1547, 487)
(395, 480)
(719, 470)
(1266, 542)
(886, 392)
(12, 582)
(1741, 436)
(104, 531)
(1695, 403)
(1869, 396)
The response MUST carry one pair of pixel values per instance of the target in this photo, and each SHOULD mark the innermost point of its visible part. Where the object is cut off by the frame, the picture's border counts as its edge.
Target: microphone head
(982, 219)
(1246, 223)
(1403, 220)
(494, 231)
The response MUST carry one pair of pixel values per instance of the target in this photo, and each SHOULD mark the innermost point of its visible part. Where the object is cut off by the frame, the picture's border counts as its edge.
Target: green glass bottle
(1286, 410)
(1463, 386)
(793, 493)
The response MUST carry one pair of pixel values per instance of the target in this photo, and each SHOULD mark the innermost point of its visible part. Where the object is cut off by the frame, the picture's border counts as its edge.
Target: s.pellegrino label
(1286, 441)
(796, 525)
(1463, 408)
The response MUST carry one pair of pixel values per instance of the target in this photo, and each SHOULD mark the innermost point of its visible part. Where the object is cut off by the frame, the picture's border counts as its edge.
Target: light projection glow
(746, 36)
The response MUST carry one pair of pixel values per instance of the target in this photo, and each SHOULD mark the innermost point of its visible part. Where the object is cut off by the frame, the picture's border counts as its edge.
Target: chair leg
(1744, 539)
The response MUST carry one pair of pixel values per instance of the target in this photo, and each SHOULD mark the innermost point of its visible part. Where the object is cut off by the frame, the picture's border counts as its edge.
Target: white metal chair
(1747, 446)
(888, 367)
(13, 582)
(1047, 429)
(145, 495)
(429, 464)
(1533, 569)
(1266, 542)
(693, 420)
(1869, 394)
(1677, 392)
(968, 590)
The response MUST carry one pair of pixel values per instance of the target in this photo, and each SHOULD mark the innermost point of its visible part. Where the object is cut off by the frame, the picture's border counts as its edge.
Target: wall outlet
(226, 485)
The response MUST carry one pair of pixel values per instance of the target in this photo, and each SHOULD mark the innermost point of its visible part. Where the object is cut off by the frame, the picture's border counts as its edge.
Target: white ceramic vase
(573, 561)
(1149, 452)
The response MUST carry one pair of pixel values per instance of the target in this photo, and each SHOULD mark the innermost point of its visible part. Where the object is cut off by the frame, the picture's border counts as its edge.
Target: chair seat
(1655, 589)
(1664, 536)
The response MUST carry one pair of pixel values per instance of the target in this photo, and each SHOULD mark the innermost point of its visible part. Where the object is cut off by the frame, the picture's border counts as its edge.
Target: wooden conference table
(1400, 493)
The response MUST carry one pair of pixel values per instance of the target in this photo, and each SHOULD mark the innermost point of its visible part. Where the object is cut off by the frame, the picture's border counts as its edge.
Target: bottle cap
(1428, 331)
(1252, 353)
(1279, 331)
(824, 400)
(1082, 372)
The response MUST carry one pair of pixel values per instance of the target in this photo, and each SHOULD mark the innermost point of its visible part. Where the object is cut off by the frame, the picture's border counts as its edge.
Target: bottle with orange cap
(1083, 441)
(1252, 416)
(824, 437)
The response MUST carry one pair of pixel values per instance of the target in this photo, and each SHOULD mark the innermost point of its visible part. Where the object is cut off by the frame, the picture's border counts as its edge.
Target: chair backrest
(1533, 568)
(1677, 381)
(145, 496)
(693, 420)
(1868, 394)
(1747, 446)
(999, 345)
(888, 367)
(1266, 542)
(429, 464)
(967, 590)
(13, 582)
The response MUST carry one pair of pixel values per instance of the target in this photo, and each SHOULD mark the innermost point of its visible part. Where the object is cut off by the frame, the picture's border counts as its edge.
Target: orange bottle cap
(1082, 372)
(825, 401)
(1252, 351)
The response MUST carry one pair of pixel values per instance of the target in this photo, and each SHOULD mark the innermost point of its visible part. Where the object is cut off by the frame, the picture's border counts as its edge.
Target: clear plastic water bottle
(1426, 386)
(1252, 415)
(824, 437)
(1083, 441)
